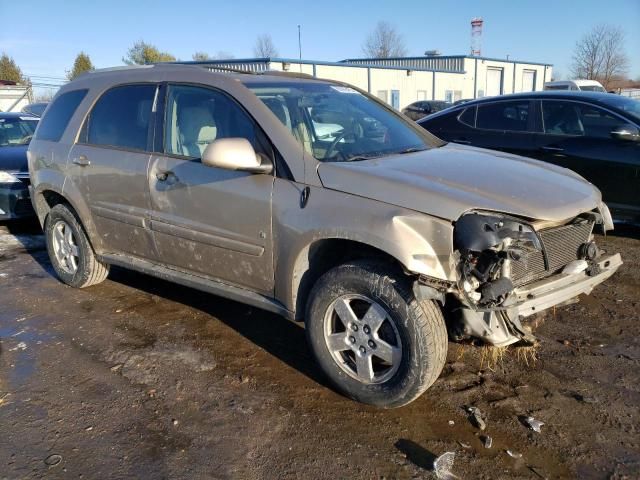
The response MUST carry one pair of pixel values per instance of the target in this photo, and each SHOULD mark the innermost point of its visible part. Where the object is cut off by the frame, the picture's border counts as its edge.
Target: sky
(44, 37)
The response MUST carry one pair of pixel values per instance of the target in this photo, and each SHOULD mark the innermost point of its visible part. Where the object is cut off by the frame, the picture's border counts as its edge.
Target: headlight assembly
(6, 177)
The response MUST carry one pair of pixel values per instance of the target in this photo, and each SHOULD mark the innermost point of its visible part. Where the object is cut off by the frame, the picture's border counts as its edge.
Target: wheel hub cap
(65, 248)
(362, 338)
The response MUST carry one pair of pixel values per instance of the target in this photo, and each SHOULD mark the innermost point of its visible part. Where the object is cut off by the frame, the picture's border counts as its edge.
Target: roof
(445, 57)
(578, 82)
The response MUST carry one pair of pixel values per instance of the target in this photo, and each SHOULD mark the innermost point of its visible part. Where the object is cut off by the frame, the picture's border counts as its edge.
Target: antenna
(476, 36)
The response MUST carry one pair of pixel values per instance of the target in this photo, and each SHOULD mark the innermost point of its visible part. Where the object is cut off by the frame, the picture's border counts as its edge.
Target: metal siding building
(401, 81)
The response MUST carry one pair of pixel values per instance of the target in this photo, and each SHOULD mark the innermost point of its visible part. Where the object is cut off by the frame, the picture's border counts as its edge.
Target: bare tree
(599, 55)
(384, 42)
(264, 47)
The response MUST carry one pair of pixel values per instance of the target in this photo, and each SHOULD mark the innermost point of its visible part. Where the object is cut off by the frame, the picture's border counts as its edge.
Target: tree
(264, 47)
(81, 65)
(200, 57)
(599, 55)
(384, 42)
(143, 53)
(10, 71)
(204, 56)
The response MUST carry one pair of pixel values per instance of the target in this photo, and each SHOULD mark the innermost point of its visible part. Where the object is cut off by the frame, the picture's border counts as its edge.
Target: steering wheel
(334, 144)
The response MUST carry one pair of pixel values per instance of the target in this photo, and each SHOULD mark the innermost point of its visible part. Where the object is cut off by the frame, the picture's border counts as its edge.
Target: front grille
(561, 245)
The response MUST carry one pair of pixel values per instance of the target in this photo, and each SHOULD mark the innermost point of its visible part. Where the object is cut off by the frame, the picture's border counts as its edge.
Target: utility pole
(300, 48)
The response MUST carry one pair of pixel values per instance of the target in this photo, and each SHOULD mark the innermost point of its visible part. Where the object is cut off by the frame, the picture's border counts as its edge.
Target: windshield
(629, 105)
(338, 124)
(17, 131)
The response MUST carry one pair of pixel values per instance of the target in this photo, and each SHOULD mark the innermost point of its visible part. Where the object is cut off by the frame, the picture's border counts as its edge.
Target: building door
(494, 82)
(528, 81)
(395, 99)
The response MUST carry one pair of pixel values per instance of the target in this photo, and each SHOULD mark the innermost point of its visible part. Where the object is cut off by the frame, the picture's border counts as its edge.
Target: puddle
(19, 339)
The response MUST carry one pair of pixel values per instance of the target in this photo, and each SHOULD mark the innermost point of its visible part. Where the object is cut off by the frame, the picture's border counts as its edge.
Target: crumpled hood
(450, 180)
(13, 158)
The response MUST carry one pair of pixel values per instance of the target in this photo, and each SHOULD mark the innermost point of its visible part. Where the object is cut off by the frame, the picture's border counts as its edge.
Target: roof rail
(280, 73)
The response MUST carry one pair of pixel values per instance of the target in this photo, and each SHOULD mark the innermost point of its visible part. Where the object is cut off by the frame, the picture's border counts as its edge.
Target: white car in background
(581, 85)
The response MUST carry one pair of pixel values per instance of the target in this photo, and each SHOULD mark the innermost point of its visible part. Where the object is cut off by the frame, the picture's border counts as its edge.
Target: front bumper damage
(500, 326)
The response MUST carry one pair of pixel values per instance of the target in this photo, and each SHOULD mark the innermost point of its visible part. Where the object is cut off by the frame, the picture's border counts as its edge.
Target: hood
(450, 180)
(13, 158)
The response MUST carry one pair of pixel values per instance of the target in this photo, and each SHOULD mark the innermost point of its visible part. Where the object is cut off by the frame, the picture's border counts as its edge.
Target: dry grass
(494, 358)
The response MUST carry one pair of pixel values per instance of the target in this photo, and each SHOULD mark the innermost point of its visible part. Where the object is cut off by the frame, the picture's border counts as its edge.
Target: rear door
(577, 135)
(207, 220)
(109, 164)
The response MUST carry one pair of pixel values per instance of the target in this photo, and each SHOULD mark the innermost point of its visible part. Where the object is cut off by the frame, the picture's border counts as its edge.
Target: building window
(451, 96)
(422, 95)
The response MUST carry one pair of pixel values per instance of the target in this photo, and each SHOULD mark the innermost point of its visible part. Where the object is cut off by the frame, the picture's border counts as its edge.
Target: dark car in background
(594, 134)
(16, 130)
(36, 109)
(417, 110)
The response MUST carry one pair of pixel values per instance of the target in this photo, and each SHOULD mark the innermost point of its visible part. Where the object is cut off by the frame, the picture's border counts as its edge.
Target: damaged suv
(382, 238)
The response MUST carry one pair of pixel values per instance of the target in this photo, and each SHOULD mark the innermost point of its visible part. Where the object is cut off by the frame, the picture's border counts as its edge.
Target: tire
(416, 328)
(59, 224)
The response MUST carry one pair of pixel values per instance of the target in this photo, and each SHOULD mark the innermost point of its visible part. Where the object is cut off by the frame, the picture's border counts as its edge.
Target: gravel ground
(141, 378)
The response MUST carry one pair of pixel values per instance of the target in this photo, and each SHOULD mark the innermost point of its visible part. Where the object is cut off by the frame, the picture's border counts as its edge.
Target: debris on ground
(533, 424)
(477, 417)
(20, 346)
(443, 465)
(538, 471)
(53, 459)
(487, 441)
(451, 422)
(513, 454)
(464, 445)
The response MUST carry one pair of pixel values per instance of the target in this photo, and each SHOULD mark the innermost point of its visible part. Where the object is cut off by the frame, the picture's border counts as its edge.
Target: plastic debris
(513, 454)
(451, 422)
(533, 424)
(487, 441)
(464, 445)
(20, 346)
(443, 465)
(53, 459)
(477, 417)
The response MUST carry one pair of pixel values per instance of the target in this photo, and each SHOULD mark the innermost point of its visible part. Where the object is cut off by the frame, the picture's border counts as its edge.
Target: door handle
(81, 160)
(553, 149)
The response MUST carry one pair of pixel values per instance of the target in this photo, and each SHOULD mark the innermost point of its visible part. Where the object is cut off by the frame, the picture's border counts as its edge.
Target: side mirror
(235, 154)
(627, 133)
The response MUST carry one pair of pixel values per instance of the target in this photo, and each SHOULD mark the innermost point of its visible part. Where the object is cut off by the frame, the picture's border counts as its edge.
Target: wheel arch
(321, 255)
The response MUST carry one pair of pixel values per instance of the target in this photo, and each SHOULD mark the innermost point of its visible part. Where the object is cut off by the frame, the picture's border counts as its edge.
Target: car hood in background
(450, 180)
(13, 158)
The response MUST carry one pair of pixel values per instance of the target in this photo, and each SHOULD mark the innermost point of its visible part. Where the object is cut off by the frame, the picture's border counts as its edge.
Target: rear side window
(121, 117)
(506, 116)
(55, 121)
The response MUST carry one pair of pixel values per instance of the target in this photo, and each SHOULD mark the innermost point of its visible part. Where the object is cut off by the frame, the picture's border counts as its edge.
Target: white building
(401, 81)
(13, 97)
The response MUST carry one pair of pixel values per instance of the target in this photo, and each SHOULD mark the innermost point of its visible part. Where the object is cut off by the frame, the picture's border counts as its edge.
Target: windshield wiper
(410, 150)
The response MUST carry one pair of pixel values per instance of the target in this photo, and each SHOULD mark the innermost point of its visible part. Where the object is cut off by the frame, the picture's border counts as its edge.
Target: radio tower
(476, 36)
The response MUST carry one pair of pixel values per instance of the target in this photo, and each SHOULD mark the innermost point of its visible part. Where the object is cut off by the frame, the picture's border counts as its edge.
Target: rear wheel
(69, 249)
(374, 340)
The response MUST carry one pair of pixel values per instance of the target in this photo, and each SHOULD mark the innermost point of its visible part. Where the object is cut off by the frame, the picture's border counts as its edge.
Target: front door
(577, 136)
(207, 220)
(109, 165)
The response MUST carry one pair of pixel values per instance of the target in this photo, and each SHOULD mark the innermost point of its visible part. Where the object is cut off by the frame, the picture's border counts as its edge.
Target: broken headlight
(487, 244)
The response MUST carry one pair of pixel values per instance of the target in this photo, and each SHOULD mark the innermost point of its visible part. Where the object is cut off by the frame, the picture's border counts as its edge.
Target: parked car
(16, 130)
(462, 100)
(35, 109)
(579, 85)
(216, 181)
(595, 134)
(419, 109)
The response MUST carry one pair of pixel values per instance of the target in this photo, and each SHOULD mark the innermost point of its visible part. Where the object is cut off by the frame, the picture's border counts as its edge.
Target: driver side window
(196, 116)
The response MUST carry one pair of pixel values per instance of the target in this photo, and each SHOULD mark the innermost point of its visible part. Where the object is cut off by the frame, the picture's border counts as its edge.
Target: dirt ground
(140, 378)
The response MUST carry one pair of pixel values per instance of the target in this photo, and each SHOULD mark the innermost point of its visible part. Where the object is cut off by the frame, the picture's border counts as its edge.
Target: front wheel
(374, 340)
